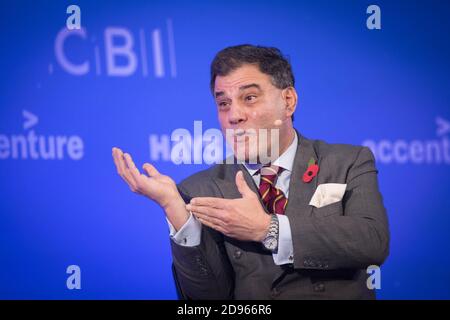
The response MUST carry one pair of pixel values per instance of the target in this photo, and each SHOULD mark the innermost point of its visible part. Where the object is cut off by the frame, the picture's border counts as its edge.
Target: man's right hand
(156, 186)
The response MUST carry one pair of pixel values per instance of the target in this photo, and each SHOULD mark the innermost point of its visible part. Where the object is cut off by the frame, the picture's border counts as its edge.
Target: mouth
(241, 135)
(239, 131)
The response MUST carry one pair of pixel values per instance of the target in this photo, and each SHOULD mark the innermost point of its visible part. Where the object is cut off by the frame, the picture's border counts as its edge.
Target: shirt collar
(285, 160)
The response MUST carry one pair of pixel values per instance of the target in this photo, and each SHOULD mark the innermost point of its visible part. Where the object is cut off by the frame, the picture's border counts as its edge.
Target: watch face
(270, 243)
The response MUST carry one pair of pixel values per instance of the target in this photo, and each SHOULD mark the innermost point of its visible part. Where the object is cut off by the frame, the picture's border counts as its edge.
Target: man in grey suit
(305, 225)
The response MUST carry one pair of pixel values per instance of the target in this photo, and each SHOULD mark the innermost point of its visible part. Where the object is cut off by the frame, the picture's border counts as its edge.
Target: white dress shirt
(190, 233)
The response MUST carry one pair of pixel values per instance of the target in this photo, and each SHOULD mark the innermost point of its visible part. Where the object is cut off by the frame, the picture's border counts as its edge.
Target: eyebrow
(251, 85)
(241, 88)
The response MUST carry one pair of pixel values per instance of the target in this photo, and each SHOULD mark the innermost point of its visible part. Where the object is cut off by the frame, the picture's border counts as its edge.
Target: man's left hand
(242, 219)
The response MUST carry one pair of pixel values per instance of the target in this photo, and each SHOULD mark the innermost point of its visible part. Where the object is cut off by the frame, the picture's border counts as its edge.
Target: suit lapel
(300, 192)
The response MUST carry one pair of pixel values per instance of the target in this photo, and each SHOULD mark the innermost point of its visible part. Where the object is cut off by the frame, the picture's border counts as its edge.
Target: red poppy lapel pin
(311, 172)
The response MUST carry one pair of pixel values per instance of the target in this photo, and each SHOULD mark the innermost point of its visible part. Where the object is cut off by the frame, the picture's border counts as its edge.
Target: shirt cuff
(285, 252)
(189, 234)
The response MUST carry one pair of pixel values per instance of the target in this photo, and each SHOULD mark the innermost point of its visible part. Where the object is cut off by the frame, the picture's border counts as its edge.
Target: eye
(223, 104)
(250, 98)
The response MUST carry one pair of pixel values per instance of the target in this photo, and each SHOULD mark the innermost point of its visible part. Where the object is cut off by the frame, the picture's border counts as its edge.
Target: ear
(290, 98)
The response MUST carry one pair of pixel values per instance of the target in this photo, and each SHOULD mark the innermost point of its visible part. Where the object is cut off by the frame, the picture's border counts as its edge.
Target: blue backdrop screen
(138, 70)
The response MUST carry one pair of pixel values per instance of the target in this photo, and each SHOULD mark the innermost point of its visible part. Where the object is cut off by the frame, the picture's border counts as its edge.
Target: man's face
(247, 100)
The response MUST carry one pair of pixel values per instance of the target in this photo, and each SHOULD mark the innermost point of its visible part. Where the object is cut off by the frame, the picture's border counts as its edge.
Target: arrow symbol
(443, 126)
(30, 119)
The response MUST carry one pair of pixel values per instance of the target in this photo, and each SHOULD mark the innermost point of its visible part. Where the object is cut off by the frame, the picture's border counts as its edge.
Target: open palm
(154, 185)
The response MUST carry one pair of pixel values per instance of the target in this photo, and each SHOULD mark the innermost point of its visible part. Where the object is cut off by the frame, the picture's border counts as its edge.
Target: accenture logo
(30, 145)
(433, 151)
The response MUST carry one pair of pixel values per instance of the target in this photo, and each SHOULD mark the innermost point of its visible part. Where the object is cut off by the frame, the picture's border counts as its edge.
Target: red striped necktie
(272, 197)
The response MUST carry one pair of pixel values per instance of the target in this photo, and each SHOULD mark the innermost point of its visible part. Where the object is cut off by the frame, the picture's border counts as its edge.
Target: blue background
(354, 85)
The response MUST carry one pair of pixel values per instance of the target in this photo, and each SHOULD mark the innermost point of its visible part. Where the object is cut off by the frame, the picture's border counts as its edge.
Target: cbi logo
(119, 52)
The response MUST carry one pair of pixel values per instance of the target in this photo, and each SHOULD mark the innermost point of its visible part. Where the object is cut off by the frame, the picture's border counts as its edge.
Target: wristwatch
(270, 242)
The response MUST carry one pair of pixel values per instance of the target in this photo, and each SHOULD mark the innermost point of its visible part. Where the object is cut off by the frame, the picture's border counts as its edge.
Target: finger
(132, 173)
(208, 211)
(242, 185)
(210, 219)
(116, 160)
(132, 167)
(150, 169)
(119, 161)
(212, 202)
(122, 169)
(129, 161)
(117, 156)
(115, 149)
(212, 225)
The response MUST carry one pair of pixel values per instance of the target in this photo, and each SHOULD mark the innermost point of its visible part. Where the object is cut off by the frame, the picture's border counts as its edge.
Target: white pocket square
(327, 193)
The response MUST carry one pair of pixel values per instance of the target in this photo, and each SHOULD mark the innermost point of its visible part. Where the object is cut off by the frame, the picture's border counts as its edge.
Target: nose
(236, 115)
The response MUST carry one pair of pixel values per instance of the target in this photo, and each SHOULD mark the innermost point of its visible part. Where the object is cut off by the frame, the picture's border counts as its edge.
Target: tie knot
(269, 173)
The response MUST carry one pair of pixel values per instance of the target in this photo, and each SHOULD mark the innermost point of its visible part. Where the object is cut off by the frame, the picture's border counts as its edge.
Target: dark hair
(270, 61)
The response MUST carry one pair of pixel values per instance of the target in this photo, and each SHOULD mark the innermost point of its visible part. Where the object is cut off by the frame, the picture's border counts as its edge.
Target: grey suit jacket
(333, 245)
